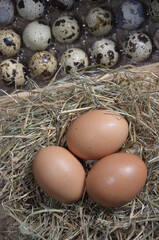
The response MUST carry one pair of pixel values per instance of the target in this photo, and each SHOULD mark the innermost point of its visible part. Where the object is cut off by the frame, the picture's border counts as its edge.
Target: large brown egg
(116, 179)
(59, 174)
(96, 134)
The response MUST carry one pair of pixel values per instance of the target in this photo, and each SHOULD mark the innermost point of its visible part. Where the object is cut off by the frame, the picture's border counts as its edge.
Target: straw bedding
(33, 119)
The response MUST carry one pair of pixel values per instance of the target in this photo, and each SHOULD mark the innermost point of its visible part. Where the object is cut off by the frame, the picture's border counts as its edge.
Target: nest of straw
(33, 119)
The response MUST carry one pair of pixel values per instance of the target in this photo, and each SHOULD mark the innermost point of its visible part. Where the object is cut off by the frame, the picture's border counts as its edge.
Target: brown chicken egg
(116, 179)
(59, 174)
(96, 134)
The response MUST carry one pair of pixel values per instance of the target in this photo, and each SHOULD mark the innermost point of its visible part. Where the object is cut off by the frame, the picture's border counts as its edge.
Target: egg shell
(104, 52)
(10, 42)
(116, 179)
(74, 59)
(62, 4)
(36, 36)
(43, 64)
(96, 134)
(12, 71)
(65, 29)
(6, 12)
(137, 47)
(30, 9)
(130, 14)
(154, 10)
(99, 22)
(156, 39)
(59, 174)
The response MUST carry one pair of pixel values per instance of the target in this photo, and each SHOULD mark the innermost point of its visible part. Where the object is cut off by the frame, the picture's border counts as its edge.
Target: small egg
(30, 9)
(130, 14)
(10, 42)
(116, 179)
(99, 22)
(154, 10)
(95, 1)
(43, 64)
(96, 134)
(12, 71)
(105, 52)
(6, 12)
(74, 59)
(59, 174)
(156, 39)
(37, 36)
(62, 4)
(66, 29)
(137, 47)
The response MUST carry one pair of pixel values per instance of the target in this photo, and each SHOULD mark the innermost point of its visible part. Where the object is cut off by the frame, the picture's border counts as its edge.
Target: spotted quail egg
(95, 1)
(30, 9)
(37, 36)
(74, 59)
(10, 42)
(137, 47)
(6, 12)
(99, 22)
(154, 10)
(12, 71)
(63, 4)
(43, 64)
(156, 39)
(130, 14)
(105, 52)
(66, 29)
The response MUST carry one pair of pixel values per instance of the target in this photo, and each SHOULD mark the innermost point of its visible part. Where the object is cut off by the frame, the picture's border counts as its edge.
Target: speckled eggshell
(6, 12)
(30, 9)
(99, 22)
(66, 29)
(130, 14)
(37, 36)
(10, 42)
(59, 174)
(96, 134)
(74, 59)
(43, 65)
(156, 39)
(116, 179)
(12, 71)
(105, 52)
(154, 10)
(62, 4)
(137, 47)
(95, 1)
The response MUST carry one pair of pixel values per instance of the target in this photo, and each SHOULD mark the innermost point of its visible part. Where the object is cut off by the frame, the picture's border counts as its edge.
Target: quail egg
(37, 36)
(62, 4)
(105, 52)
(30, 9)
(154, 10)
(156, 39)
(6, 12)
(137, 47)
(74, 59)
(12, 71)
(43, 64)
(130, 14)
(10, 42)
(66, 29)
(99, 22)
(95, 1)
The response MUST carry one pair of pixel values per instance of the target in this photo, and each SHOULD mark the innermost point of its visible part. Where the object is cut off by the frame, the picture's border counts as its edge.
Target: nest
(41, 117)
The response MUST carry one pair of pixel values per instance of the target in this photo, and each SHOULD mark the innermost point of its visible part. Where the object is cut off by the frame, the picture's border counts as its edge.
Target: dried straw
(30, 120)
